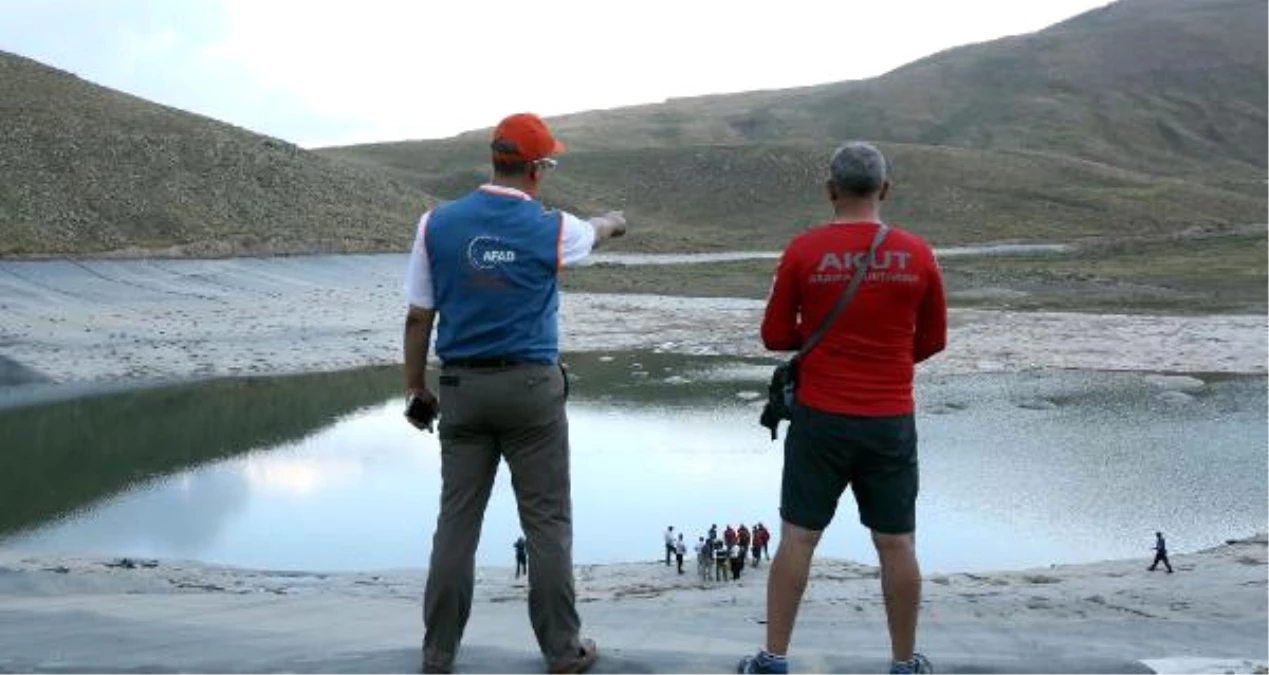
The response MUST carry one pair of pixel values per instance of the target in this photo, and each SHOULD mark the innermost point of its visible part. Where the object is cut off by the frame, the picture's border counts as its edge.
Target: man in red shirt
(852, 424)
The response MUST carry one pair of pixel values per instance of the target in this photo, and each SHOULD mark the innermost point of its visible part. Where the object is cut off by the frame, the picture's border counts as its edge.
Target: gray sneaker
(918, 664)
(756, 665)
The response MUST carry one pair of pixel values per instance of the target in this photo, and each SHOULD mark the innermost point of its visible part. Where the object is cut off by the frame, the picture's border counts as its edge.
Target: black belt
(492, 362)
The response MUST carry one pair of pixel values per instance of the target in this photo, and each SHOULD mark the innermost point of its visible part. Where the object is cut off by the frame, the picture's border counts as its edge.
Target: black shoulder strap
(855, 280)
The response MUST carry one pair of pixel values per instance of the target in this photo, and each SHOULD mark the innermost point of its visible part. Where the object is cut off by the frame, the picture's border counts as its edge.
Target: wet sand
(66, 615)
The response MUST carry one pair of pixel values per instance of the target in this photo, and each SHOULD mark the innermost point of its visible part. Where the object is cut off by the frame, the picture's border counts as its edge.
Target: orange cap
(523, 137)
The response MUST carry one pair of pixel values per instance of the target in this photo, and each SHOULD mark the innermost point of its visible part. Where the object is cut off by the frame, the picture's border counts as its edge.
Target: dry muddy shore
(111, 321)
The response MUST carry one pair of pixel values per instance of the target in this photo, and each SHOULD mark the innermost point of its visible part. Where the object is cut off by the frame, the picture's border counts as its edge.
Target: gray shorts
(876, 456)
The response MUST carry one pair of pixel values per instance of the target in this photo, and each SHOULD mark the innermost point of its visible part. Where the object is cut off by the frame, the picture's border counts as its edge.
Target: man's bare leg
(786, 582)
(901, 586)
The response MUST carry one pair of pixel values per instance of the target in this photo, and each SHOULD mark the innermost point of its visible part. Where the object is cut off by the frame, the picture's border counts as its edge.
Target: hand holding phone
(421, 409)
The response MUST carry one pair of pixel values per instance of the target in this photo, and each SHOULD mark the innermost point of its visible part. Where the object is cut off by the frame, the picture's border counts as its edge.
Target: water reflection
(665, 440)
(177, 517)
(61, 456)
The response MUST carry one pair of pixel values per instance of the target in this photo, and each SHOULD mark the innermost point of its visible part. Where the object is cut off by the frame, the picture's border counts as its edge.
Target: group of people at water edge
(720, 558)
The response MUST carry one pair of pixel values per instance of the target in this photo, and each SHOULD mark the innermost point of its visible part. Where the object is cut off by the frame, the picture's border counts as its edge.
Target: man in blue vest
(487, 265)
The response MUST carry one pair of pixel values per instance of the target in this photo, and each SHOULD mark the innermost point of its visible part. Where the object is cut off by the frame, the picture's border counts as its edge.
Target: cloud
(328, 72)
(123, 40)
(158, 50)
(395, 69)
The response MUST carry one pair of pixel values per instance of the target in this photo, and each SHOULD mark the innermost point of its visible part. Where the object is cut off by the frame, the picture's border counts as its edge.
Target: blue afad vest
(495, 262)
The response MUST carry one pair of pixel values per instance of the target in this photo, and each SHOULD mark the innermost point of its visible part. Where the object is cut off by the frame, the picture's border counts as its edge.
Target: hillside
(89, 170)
(1143, 118)
(1137, 84)
(756, 196)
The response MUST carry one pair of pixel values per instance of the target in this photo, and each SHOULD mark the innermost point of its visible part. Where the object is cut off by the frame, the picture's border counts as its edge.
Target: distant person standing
(1160, 553)
(852, 423)
(522, 559)
(737, 556)
(763, 539)
(742, 538)
(721, 561)
(713, 532)
(487, 264)
(729, 536)
(704, 559)
(680, 549)
(669, 544)
(757, 545)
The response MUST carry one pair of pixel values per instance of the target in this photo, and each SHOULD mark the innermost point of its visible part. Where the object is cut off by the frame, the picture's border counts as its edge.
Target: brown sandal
(587, 655)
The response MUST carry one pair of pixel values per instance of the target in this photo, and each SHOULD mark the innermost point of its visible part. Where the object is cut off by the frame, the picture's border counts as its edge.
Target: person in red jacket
(762, 537)
(852, 424)
(729, 536)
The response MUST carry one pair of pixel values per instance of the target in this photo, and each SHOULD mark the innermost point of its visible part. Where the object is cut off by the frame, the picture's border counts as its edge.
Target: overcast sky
(325, 73)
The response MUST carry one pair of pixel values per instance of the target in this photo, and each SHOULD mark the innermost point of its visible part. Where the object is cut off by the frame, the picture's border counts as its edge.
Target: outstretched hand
(618, 220)
(609, 225)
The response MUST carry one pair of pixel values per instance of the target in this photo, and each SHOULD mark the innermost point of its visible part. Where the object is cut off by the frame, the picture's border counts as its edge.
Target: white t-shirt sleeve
(577, 239)
(418, 275)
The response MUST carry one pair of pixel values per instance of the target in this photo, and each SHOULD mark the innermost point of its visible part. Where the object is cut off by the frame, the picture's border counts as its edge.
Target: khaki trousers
(487, 414)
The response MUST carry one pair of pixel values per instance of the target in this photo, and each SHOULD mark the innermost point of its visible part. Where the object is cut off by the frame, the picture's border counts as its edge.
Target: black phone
(421, 411)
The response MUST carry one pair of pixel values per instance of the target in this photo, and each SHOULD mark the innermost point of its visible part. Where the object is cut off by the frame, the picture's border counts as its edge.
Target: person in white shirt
(737, 555)
(485, 268)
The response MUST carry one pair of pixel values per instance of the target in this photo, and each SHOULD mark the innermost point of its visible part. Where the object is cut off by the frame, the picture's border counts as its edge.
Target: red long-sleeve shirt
(864, 364)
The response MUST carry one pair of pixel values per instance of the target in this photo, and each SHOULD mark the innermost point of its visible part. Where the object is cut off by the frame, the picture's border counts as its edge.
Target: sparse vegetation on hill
(1168, 87)
(1144, 118)
(88, 170)
(757, 196)
(761, 196)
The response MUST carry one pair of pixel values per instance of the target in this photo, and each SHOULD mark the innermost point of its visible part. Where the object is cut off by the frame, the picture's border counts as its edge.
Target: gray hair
(858, 168)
